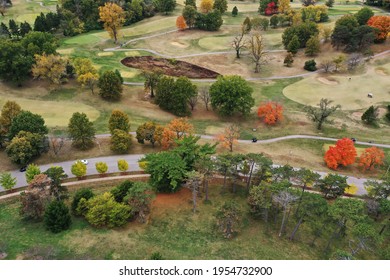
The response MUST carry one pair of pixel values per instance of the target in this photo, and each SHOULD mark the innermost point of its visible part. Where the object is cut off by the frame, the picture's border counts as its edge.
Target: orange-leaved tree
(113, 17)
(271, 112)
(230, 137)
(176, 129)
(383, 24)
(181, 23)
(371, 158)
(344, 153)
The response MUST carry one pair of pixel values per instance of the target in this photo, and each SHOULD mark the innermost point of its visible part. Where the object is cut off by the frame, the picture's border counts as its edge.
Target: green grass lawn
(350, 93)
(23, 10)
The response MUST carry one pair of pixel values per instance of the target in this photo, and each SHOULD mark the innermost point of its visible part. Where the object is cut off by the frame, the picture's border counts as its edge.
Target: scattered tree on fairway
(370, 116)
(81, 131)
(383, 24)
(49, 67)
(257, 50)
(110, 85)
(271, 113)
(28, 122)
(118, 120)
(220, 5)
(320, 115)
(288, 60)
(151, 80)
(363, 15)
(371, 158)
(343, 153)
(231, 95)
(293, 45)
(312, 46)
(229, 137)
(9, 111)
(113, 18)
(234, 11)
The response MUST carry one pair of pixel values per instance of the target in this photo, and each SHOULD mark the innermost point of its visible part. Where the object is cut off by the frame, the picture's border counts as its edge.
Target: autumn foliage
(230, 137)
(176, 129)
(271, 9)
(181, 23)
(271, 113)
(383, 24)
(371, 158)
(344, 153)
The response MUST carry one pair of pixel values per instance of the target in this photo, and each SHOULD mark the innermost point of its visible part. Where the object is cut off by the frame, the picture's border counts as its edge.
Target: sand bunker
(327, 81)
(178, 44)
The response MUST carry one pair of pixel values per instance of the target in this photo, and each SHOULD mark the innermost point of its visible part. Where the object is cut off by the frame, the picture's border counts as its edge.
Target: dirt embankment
(170, 67)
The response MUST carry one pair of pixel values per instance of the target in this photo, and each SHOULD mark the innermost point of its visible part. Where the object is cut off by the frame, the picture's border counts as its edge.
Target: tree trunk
(283, 221)
(296, 228)
(151, 92)
(248, 183)
(207, 190)
(237, 53)
(266, 215)
(300, 201)
(257, 67)
(194, 193)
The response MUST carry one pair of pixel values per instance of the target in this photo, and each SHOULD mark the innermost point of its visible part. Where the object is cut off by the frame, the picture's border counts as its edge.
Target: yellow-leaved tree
(87, 74)
(206, 6)
(49, 67)
(113, 18)
(284, 6)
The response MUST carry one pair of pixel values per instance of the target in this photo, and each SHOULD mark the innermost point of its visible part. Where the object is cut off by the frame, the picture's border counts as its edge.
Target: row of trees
(344, 153)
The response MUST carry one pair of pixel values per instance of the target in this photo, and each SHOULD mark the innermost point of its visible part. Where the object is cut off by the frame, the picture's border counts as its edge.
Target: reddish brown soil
(170, 67)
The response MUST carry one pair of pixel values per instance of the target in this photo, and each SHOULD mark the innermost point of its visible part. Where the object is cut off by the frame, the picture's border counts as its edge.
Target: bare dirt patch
(170, 67)
(381, 72)
(326, 81)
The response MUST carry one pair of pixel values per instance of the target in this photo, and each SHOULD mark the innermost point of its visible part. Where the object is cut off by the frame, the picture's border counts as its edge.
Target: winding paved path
(133, 160)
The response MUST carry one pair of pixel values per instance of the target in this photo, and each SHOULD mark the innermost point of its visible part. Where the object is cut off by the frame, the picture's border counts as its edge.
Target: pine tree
(370, 116)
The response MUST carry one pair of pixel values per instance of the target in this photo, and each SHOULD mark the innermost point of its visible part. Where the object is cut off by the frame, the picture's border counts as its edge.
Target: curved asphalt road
(133, 160)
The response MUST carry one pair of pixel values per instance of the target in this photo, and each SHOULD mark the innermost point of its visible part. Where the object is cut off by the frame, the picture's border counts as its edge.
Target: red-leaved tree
(271, 9)
(371, 158)
(271, 113)
(383, 24)
(344, 153)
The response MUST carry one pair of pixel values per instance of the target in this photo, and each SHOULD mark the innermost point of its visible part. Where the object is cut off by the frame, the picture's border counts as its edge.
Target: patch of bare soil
(170, 67)
(171, 200)
(381, 72)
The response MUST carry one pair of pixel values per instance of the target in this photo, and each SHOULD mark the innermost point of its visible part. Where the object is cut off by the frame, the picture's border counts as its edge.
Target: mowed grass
(55, 113)
(23, 10)
(350, 93)
(186, 236)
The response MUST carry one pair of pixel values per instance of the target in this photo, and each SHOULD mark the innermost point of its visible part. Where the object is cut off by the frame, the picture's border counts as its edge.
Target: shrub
(120, 191)
(81, 193)
(310, 65)
(103, 211)
(57, 217)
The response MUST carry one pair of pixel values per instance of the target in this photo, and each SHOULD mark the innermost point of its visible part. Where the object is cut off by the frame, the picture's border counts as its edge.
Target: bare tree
(193, 100)
(320, 115)
(204, 95)
(354, 60)
(56, 144)
(327, 65)
(257, 50)
(285, 199)
(239, 42)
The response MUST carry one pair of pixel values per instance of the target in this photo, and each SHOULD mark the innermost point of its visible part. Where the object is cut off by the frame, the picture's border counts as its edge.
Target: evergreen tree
(81, 131)
(370, 116)
(110, 85)
(293, 46)
(57, 217)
